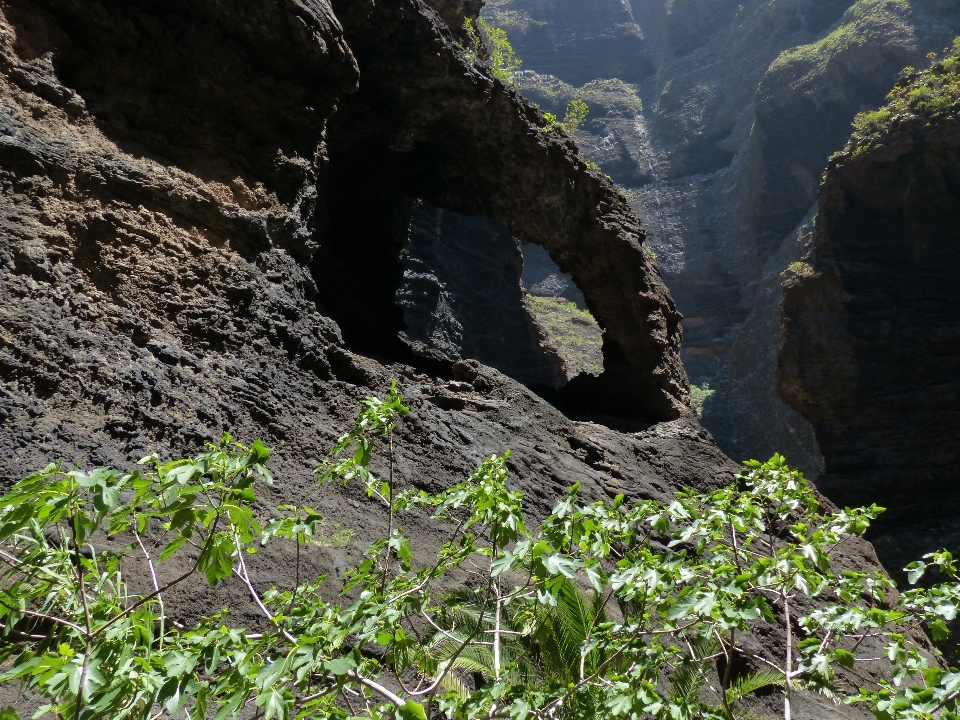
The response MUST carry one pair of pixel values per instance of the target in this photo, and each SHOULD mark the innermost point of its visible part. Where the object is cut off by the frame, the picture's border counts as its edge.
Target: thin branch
(728, 651)
(172, 583)
(242, 574)
(377, 688)
(789, 664)
(88, 645)
(22, 635)
(48, 618)
(156, 585)
(347, 700)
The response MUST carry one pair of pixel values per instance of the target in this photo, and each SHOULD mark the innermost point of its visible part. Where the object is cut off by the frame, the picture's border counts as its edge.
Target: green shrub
(577, 111)
(503, 61)
(604, 610)
(927, 95)
(576, 114)
(699, 395)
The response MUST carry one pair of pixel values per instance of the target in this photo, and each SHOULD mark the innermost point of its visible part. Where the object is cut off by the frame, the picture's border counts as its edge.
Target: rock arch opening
(472, 290)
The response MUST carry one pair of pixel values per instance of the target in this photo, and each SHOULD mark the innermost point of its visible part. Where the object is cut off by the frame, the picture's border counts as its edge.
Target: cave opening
(470, 290)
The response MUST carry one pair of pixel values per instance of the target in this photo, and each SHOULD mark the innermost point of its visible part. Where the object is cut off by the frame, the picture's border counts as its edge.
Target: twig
(377, 687)
(88, 646)
(349, 704)
(48, 618)
(172, 583)
(728, 651)
(156, 585)
(786, 694)
(242, 574)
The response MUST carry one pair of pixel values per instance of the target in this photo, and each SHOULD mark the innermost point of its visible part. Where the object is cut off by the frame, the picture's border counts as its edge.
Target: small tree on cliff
(491, 42)
(606, 610)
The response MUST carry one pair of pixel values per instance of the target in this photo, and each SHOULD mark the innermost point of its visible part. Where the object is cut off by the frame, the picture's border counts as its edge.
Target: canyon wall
(716, 118)
(871, 323)
(203, 210)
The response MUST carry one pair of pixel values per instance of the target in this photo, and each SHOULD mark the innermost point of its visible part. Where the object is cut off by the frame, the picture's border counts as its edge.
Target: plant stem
(496, 631)
(789, 666)
(176, 581)
(78, 568)
(156, 585)
(728, 650)
(245, 578)
(389, 515)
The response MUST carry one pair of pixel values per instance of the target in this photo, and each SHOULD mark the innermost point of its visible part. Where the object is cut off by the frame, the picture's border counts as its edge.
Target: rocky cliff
(716, 118)
(461, 297)
(155, 157)
(871, 324)
(203, 207)
(203, 210)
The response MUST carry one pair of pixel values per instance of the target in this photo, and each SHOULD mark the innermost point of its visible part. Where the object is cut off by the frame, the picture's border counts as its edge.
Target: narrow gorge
(716, 120)
(871, 324)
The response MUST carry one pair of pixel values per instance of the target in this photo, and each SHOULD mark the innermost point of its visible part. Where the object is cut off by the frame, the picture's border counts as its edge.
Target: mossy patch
(605, 98)
(573, 333)
(926, 97)
(798, 269)
(867, 22)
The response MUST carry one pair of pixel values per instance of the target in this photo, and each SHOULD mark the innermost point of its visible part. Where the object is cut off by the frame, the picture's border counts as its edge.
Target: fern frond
(451, 682)
(819, 688)
(753, 682)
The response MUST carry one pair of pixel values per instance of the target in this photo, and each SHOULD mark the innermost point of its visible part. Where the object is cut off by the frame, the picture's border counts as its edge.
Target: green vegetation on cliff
(867, 22)
(501, 59)
(612, 97)
(699, 395)
(605, 609)
(573, 332)
(927, 96)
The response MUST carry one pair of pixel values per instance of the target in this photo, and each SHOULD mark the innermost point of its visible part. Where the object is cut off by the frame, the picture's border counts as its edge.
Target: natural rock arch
(477, 148)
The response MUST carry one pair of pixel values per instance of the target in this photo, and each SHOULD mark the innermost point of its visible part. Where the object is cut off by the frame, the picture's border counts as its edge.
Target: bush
(699, 395)
(503, 61)
(574, 117)
(929, 96)
(606, 610)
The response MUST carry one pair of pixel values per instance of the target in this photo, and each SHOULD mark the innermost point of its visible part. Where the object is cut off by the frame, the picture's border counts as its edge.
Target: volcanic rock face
(183, 228)
(388, 147)
(716, 118)
(871, 323)
(201, 224)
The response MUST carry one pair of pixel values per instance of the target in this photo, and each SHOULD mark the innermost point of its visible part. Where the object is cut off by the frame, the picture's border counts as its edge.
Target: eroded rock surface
(475, 149)
(184, 225)
(461, 297)
(716, 117)
(871, 323)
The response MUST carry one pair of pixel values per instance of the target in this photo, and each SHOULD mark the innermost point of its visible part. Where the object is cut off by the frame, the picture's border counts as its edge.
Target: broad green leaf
(844, 657)
(340, 665)
(412, 711)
